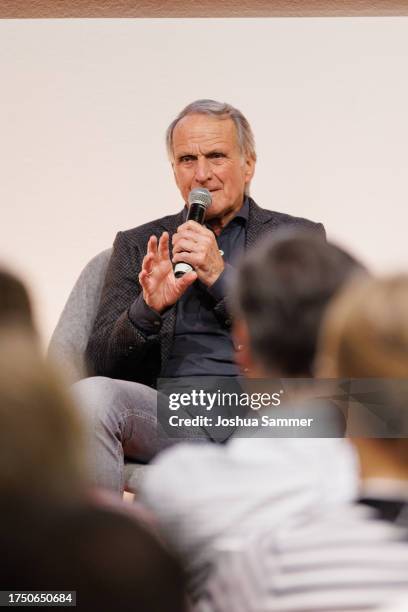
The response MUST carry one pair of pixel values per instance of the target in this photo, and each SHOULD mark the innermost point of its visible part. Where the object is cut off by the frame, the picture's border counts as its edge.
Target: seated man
(352, 556)
(151, 324)
(204, 495)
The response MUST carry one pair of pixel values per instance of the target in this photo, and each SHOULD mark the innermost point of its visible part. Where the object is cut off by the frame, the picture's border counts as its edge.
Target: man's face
(206, 154)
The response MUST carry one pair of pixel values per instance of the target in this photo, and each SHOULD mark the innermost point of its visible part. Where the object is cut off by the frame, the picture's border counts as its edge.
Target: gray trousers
(120, 419)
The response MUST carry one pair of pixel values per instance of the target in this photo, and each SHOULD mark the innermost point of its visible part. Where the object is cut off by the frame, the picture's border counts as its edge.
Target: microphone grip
(181, 268)
(196, 213)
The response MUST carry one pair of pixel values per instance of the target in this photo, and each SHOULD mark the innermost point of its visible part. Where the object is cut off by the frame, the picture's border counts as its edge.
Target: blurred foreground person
(205, 495)
(365, 336)
(15, 304)
(355, 556)
(52, 537)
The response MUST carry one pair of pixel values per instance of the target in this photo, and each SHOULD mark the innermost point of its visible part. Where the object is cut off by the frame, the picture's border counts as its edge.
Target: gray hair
(221, 110)
(281, 291)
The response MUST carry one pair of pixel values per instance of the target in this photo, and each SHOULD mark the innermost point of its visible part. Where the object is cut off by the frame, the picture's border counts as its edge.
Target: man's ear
(249, 169)
(240, 337)
(174, 173)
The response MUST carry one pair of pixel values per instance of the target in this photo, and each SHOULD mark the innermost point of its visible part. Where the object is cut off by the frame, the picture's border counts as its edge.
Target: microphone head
(200, 196)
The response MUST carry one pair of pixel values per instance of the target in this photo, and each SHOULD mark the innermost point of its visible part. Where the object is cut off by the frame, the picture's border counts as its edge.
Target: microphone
(199, 200)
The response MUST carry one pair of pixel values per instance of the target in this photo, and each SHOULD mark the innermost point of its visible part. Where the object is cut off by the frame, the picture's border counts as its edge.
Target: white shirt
(203, 495)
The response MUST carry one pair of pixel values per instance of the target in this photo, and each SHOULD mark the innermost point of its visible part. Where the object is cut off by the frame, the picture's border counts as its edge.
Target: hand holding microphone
(199, 200)
(195, 246)
(195, 254)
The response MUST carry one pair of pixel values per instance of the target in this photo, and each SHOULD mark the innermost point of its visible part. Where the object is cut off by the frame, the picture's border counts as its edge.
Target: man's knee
(97, 397)
(106, 399)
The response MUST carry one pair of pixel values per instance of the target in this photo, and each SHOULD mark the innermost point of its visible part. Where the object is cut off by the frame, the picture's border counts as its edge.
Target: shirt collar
(243, 212)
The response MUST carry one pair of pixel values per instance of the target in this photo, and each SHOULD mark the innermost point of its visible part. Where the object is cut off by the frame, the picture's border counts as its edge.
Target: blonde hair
(365, 330)
(41, 445)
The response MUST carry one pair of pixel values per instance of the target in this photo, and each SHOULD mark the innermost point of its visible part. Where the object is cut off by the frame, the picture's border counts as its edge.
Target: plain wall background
(85, 104)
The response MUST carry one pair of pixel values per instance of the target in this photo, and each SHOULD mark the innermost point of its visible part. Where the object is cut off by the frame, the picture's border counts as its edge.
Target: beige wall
(85, 104)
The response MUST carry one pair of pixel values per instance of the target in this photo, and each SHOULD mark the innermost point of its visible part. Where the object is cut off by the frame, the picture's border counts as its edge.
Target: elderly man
(151, 324)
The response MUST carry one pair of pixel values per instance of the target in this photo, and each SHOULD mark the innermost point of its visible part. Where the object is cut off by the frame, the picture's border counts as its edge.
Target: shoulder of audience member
(180, 467)
(177, 465)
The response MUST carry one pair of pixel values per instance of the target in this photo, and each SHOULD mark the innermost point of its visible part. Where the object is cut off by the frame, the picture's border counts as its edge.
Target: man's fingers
(144, 279)
(194, 227)
(152, 246)
(185, 281)
(194, 259)
(147, 264)
(185, 245)
(164, 246)
(186, 233)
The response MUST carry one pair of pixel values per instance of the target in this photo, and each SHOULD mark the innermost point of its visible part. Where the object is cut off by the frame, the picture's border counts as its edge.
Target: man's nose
(203, 171)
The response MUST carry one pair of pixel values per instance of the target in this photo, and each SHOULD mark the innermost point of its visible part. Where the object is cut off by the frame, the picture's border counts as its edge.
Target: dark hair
(283, 287)
(111, 561)
(15, 304)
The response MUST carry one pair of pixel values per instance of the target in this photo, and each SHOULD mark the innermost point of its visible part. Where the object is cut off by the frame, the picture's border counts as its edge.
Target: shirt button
(130, 348)
(228, 322)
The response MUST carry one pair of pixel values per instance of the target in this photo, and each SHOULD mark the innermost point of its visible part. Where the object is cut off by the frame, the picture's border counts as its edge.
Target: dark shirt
(202, 345)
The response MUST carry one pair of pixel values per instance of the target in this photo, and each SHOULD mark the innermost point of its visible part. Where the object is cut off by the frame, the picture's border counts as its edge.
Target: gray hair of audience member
(282, 289)
(219, 110)
(41, 440)
(15, 304)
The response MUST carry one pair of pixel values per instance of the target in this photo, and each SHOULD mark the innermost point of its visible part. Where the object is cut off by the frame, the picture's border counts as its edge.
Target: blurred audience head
(53, 535)
(282, 290)
(40, 435)
(15, 305)
(111, 561)
(365, 331)
(365, 336)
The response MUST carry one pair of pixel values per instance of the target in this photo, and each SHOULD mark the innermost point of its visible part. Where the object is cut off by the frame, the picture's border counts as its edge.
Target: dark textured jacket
(116, 347)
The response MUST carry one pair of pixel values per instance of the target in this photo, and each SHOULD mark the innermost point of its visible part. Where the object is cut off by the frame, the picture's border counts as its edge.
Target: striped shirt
(340, 560)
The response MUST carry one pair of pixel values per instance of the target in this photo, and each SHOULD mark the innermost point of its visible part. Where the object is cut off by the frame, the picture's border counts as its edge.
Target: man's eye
(186, 158)
(216, 155)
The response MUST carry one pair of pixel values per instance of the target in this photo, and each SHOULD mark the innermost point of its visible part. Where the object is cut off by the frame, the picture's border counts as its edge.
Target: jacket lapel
(170, 224)
(256, 220)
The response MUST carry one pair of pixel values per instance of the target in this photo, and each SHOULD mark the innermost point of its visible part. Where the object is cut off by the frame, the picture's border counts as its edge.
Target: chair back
(70, 337)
